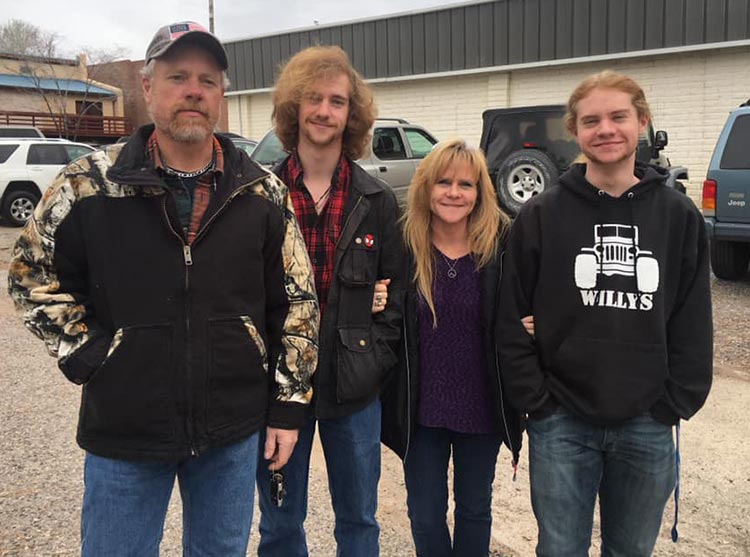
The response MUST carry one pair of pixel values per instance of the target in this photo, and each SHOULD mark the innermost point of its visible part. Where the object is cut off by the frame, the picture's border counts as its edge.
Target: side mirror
(660, 140)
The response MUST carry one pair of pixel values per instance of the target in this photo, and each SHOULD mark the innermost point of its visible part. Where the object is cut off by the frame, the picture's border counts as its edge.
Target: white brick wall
(690, 95)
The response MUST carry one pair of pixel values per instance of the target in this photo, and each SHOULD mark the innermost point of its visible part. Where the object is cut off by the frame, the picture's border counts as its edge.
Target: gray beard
(183, 133)
(188, 133)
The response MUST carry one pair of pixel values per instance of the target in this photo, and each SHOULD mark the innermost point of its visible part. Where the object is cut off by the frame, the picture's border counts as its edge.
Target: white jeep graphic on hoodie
(616, 251)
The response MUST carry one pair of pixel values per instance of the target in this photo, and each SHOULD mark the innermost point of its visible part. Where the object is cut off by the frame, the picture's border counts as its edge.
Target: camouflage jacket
(179, 347)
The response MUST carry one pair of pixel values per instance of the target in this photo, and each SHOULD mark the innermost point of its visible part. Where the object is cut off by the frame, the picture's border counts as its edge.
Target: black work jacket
(400, 396)
(190, 329)
(357, 347)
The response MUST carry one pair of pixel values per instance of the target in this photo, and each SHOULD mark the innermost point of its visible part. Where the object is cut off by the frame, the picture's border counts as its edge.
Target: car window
(419, 142)
(47, 154)
(736, 155)
(19, 132)
(269, 151)
(75, 151)
(530, 130)
(387, 144)
(6, 151)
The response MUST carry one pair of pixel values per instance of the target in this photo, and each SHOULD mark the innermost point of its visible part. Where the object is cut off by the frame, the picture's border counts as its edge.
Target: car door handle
(383, 168)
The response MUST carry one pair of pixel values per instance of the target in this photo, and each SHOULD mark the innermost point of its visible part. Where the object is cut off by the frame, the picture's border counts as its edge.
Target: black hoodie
(619, 289)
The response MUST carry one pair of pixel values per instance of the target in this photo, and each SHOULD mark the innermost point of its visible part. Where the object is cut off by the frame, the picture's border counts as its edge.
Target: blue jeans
(631, 466)
(125, 503)
(426, 474)
(352, 451)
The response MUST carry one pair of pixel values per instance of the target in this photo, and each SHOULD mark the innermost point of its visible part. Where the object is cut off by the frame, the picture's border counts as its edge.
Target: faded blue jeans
(352, 451)
(125, 503)
(631, 466)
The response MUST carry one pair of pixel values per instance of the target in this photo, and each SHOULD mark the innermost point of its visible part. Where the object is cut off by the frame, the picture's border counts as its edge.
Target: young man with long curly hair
(323, 113)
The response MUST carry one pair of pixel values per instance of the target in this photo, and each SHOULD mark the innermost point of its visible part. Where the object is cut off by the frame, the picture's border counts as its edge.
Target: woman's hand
(380, 297)
(528, 324)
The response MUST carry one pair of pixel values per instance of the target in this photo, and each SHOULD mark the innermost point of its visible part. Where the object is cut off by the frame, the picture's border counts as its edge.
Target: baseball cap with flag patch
(185, 31)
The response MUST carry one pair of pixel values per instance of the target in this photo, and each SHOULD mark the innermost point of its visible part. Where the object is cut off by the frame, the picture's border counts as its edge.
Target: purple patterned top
(454, 390)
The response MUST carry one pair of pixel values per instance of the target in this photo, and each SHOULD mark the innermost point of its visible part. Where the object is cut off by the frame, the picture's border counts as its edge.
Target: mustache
(192, 108)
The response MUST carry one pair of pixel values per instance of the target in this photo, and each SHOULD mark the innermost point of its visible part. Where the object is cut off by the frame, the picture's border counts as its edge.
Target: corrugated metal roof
(486, 34)
(50, 84)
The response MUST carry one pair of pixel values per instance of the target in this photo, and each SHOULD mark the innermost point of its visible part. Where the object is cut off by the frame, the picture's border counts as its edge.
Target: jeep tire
(729, 260)
(18, 207)
(586, 269)
(523, 175)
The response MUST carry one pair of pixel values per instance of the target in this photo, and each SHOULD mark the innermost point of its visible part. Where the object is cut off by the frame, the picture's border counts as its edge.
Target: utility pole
(211, 15)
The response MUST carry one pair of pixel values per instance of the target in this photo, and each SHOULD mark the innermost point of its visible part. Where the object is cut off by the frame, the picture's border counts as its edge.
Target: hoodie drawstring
(601, 194)
(677, 484)
(633, 246)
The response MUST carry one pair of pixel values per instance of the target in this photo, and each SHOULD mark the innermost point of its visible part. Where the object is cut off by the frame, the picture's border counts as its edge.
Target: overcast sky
(131, 23)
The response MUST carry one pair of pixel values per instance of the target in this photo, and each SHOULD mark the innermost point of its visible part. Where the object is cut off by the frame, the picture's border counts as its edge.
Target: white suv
(27, 168)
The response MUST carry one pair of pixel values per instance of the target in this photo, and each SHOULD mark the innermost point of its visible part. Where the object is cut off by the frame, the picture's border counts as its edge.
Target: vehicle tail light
(529, 145)
(709, 198)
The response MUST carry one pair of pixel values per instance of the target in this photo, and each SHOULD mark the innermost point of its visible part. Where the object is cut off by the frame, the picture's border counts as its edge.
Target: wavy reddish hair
(606, 80)
(299, 75)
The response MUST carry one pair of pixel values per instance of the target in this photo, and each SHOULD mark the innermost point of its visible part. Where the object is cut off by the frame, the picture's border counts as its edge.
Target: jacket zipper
(188, 258)
(348, 217)
(187, 255)
(500, 383)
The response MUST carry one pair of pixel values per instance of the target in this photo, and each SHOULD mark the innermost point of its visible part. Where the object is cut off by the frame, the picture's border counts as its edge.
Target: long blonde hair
(485, 225)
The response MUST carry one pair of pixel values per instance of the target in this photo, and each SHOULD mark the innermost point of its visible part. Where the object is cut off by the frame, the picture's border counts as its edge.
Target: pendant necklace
(452, 273)
(320, 203)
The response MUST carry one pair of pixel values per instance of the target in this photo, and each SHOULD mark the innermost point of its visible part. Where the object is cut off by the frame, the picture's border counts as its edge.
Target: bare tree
(20, 37)
(47, 73)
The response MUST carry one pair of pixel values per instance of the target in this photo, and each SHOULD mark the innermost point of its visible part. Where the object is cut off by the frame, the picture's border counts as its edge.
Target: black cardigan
(400, 394)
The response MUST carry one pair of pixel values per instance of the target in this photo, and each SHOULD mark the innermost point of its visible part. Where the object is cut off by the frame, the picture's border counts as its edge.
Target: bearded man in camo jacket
(169, 278)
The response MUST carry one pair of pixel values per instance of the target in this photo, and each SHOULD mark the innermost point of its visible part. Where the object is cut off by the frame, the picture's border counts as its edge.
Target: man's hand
(380, 296)
(279, 446)
(528, 324)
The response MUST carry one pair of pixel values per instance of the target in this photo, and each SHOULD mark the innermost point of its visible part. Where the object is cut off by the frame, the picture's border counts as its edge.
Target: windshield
(269, 151)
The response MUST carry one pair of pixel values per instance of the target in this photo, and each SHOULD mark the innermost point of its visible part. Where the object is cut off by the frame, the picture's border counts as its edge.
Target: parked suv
(27, 168)
(726, 198)
(527, 148)
(396, 149)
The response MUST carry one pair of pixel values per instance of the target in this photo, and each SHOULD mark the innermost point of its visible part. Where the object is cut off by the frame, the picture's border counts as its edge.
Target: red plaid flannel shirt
(204, 187)
(320, 231)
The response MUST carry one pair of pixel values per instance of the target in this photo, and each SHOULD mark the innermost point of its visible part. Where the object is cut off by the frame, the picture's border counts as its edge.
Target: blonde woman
(445, 397)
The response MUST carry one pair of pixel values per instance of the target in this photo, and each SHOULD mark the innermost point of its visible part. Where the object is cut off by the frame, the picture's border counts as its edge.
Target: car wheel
(523, 175)
(729, 260)
(18, 207)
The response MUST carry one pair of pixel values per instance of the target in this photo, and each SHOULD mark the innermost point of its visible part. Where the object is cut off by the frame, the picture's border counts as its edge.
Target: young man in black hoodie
(614, 267)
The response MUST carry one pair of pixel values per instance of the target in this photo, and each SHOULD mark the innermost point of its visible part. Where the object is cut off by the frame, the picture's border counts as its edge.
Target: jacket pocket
(359, 264)
(609, 380)
(237, 380)
(129, 395)
(358, 373)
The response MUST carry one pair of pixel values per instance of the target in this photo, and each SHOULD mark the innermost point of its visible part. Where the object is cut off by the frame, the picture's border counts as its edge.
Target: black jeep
(527, 148)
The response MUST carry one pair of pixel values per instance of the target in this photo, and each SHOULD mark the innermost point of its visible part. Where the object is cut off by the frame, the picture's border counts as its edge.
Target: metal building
(483, 54)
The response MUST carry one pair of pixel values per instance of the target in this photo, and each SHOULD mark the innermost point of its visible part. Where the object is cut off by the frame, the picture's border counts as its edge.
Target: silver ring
(378, 299)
